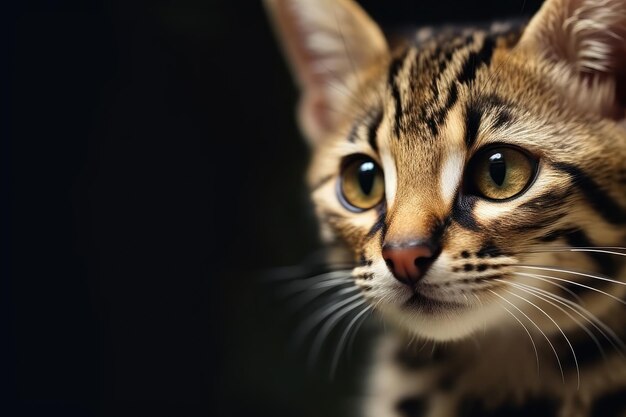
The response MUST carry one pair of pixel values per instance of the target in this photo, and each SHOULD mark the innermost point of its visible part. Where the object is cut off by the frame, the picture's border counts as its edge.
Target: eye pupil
(497, 168)
(367, 175)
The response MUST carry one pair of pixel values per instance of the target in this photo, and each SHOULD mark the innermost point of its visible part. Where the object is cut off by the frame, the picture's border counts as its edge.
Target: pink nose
(408, 263)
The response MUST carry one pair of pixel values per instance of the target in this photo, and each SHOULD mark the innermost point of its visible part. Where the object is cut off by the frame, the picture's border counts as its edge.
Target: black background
(152, 167)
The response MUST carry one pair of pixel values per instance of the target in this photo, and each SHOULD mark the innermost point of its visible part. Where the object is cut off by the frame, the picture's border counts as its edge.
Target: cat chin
(444, 326)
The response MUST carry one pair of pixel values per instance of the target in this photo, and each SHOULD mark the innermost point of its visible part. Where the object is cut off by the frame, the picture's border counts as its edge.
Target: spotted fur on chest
(478, 179)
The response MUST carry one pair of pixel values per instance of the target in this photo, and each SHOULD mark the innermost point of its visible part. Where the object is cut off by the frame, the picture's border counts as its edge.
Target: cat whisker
(595, 320)
(297, 272)
(480, 302)
(584, 250)
(318, 281)
(562, 287)
(308, 325)
(558, 360)
(586, 247)
(590, 318)
(352, 339)
(574, 282)
(327, 327)
(546, 297)
(308, 297)
(572, 272)
(557, 326)
(343, 339)
(527, 332)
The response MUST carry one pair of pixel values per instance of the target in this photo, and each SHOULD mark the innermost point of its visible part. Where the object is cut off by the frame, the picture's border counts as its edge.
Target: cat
(479, 180)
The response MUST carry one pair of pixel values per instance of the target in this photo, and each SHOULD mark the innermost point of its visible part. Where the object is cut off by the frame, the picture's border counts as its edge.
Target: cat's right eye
(500, 173)
(362, 185)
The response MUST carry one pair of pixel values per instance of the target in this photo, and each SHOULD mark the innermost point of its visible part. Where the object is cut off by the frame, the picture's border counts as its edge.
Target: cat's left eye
(361, 185)
(501, 173)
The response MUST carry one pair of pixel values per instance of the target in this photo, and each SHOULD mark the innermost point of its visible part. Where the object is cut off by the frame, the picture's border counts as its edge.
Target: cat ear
(328, 44)
(584, 44)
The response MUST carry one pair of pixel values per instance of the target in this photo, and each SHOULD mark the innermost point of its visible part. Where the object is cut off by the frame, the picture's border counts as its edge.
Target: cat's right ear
(582, 44)
(328, 43)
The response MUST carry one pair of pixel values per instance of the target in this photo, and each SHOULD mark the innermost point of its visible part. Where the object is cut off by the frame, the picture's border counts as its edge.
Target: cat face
(462, 170)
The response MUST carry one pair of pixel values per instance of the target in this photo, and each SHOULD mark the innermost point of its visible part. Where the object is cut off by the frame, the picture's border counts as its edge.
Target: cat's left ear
(583, 43)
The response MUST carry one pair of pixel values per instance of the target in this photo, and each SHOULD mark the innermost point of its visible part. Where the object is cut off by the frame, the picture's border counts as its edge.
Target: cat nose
(409, 263)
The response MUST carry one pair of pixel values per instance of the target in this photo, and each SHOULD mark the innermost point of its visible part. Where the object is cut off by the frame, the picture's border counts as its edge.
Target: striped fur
(506, 279)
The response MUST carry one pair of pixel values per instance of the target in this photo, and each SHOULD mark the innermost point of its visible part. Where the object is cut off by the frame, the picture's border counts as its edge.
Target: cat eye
(362, 184)
(501, 173)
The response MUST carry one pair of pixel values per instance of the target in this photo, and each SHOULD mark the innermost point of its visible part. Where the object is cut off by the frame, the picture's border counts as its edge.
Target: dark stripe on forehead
(475, 60)
(597, 198)
(472, 123)
(445, 60)
(438, 117)
(490, 106)
(396, 66)
(467, 75)
(374, 123)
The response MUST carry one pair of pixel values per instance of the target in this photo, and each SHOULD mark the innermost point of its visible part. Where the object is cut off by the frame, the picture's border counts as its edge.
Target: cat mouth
(429, 305)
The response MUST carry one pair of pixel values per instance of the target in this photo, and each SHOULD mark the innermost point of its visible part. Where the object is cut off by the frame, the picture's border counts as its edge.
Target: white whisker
(562, 287)
(311, 286)
(572, 272)
(309, 324)
(583, 286)
(527, 332)
(595, 321)
(558, 361)
(303, 284)
(343, 339)
(546, 296)
(299, 302)
(558, 327)
(355, 332)
(327, 328)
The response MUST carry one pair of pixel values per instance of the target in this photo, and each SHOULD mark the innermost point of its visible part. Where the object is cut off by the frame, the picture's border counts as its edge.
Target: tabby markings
(467, 75)
(605, 262)
(394, 69)
(472, 120)
(595, 196)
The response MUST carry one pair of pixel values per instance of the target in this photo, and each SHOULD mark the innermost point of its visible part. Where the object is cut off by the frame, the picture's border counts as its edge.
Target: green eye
(501, 173)
(362, 184)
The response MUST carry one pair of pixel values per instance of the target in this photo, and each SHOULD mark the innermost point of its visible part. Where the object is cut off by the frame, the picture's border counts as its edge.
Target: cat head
(461, 169)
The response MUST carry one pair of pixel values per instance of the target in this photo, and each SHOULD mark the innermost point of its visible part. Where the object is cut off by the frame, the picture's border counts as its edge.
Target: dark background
(151, 168)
